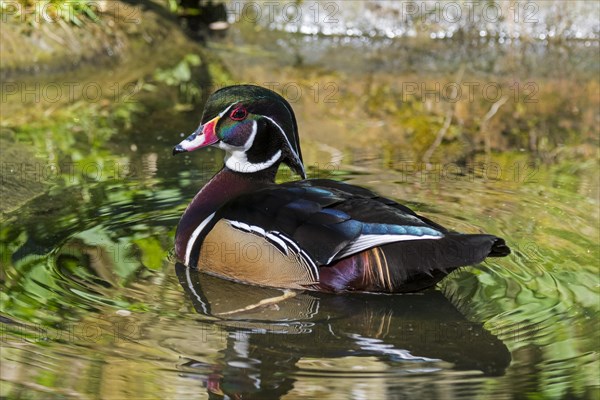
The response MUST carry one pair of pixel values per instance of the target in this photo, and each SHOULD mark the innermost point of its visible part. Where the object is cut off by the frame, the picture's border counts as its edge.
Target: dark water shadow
(410, 334)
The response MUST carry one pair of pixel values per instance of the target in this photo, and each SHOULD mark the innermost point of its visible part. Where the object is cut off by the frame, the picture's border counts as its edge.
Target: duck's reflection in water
(269, 332)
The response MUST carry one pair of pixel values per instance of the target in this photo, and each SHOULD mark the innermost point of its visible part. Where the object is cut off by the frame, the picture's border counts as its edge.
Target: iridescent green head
(254, 125)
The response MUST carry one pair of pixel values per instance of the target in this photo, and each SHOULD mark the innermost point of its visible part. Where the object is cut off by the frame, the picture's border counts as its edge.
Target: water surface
(93, 305)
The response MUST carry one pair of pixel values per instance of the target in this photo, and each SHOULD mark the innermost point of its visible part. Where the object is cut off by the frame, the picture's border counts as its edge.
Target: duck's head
(255, 126)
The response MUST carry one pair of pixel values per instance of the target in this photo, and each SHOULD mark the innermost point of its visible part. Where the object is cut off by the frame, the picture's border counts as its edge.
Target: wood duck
(314, 234)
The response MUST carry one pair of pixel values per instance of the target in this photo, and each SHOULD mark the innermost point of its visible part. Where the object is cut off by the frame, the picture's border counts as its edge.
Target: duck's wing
(343, 237)
(326, 219)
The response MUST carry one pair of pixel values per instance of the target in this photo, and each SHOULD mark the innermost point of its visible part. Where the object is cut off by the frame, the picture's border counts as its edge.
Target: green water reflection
(92, 305)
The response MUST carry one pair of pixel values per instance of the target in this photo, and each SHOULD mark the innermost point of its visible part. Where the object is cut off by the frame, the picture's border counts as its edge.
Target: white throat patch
(287, 141)
(237, 159)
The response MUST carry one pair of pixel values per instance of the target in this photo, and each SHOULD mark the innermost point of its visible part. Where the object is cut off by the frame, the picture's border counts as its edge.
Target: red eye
(238, 114)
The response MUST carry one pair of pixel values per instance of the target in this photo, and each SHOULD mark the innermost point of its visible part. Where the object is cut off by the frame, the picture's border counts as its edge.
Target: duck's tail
(499, 248)
(409, 266)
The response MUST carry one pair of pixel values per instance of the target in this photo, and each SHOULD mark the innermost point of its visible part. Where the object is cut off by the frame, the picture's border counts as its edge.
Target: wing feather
(327, 220)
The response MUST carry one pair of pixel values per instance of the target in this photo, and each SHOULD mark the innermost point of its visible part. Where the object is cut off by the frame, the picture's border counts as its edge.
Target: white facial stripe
(250, 140)
(227, 109)
(288, 142)
(241, 149)
(192, 239)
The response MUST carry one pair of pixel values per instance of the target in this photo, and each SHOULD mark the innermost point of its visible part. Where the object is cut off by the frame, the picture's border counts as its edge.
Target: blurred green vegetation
(93, 162)
(539, 99)
(75, 12)
(94, 233)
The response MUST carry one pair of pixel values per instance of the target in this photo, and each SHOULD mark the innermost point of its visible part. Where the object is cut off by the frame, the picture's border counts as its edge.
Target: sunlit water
(93, 304)
(507, 21)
